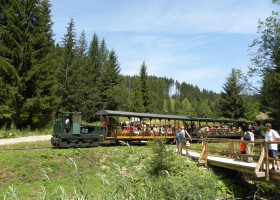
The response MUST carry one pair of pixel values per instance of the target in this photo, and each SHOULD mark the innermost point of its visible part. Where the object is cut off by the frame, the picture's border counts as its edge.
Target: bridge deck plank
(234, 164)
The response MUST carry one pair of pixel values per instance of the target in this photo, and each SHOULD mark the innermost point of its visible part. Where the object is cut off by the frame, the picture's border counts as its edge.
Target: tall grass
(128, 172)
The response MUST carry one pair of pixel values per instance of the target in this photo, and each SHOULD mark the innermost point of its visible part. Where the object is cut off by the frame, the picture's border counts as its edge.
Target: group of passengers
(206, 129)
(147, 129)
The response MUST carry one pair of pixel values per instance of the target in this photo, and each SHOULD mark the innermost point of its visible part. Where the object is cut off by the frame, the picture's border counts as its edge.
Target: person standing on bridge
(272, 135)
(179, 137)
(249, 146)
(186, 135)
(242, 149)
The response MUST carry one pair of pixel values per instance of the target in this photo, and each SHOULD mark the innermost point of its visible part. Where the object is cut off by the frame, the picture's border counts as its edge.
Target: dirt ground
(25, 139)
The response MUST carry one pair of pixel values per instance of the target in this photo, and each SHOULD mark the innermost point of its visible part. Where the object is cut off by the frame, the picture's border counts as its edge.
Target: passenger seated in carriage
(136, 130)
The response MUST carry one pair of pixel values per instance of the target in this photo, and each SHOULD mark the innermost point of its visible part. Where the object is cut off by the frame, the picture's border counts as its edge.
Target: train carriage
(149, 126)
(140, 127)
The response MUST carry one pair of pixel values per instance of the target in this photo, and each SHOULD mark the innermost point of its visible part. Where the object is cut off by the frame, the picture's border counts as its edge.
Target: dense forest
(39, 76)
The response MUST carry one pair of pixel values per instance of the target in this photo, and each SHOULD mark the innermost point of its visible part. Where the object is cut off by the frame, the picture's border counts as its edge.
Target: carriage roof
(160, 116)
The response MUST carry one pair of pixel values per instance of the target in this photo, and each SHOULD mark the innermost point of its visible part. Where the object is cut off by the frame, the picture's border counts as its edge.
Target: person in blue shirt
(178, 138)
(181, 138)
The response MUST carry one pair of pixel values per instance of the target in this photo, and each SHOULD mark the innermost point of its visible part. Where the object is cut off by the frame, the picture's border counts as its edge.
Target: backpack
(247, 136)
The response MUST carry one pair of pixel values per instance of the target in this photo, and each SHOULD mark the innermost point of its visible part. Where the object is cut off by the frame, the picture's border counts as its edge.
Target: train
(69, 131)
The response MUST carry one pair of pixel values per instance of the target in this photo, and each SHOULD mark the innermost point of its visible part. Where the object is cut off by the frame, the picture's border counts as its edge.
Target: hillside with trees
(39, 76)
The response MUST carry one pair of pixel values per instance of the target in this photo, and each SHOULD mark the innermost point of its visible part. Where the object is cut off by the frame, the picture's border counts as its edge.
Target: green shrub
(161, 159)
(264, 188)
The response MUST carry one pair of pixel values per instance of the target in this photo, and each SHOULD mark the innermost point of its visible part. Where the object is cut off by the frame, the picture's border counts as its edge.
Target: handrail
(262, 158)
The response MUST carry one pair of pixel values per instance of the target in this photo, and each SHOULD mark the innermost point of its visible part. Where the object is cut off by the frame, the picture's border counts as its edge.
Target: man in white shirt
(67, 124)
(67, 121)
(272, 135)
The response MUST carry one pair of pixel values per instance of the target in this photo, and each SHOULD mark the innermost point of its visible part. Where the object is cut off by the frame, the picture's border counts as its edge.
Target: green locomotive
(68, 131)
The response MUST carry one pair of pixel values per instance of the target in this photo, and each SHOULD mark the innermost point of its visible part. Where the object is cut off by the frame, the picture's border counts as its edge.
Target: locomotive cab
(66, 122)
(73, 123)
(68, 131)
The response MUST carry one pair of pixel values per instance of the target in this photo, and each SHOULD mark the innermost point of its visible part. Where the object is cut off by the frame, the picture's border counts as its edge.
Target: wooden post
(259, 166)
(262, 152)
(266, 162)
(230, 149)
(233, 156)
(203, 155)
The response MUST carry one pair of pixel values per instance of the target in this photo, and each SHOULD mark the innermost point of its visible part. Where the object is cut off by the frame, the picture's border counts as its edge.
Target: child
(242, 149)
(178, 140)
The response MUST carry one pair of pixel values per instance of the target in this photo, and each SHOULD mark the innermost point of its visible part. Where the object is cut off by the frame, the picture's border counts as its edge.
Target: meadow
(114, 172)
(130, 172)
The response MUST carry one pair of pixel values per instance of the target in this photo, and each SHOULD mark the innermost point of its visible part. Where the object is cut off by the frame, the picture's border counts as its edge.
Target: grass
(26, 145)
(99, 173)
(127, 172)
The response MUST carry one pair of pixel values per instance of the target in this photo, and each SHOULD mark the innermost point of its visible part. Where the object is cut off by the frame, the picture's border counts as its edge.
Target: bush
(175, 177)
(161, 159)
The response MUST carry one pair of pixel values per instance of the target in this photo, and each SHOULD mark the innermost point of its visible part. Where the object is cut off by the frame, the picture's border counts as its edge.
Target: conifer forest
(39, 76)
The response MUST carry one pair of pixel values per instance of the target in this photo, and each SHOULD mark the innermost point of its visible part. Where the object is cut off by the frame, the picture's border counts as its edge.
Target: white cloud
(179, 39)
(179, 16)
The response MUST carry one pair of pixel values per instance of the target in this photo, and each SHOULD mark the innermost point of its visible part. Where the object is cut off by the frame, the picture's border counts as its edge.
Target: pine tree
(82, 45)
(26, 46)
(138, 103)
(8, 91)
(103, 54)
(231, 104)
(67, 69)
(204, 110)
(187, 108)
(111, 81)
(267, 64)
(145, 88)
(77, 85)
(92, 72)
(94, 58)
(270, 92)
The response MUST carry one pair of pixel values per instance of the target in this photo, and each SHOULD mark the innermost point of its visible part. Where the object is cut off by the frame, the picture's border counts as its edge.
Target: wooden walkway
(256, 168)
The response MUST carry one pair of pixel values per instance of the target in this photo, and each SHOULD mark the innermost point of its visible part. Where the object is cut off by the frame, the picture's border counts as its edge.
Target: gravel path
(25, 139)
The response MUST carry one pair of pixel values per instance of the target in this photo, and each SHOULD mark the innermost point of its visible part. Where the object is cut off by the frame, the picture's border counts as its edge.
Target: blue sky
(197, 42)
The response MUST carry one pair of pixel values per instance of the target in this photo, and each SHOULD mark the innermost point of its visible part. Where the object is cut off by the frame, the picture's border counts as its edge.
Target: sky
(196, 42)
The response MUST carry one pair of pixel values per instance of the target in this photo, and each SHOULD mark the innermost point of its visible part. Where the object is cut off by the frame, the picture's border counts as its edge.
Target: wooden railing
(230, 148)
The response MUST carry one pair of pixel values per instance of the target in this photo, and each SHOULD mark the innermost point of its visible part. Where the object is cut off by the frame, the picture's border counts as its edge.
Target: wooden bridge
(228, 156)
